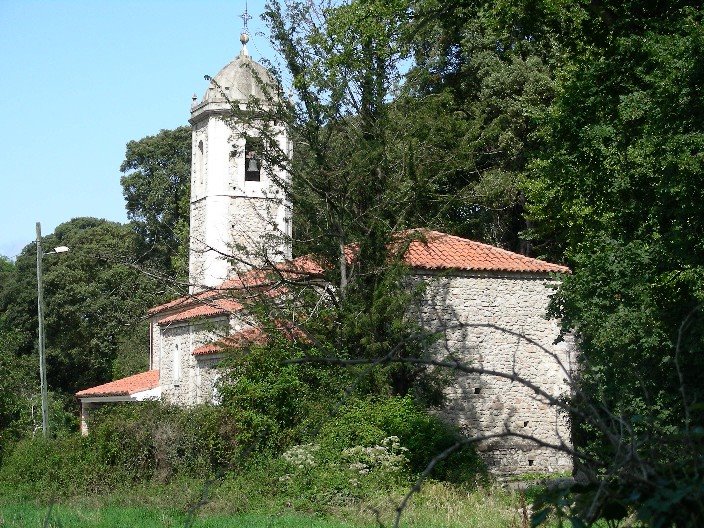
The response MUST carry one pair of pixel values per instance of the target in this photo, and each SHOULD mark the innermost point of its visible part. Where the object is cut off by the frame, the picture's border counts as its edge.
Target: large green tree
(348, 181)
(156, 186)
(19, 382)
(95, 296)
(483, 74)
(616, 193)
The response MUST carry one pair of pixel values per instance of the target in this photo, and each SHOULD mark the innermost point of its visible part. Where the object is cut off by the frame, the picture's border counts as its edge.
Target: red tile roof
(212, 308)
(125, 386)
(290, 270)
(186, 300)
(427, 249)
(433, 250)
(241, 339)
(250, 336)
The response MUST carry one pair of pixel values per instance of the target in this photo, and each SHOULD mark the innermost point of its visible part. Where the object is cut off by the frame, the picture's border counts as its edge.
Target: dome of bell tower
(239, 80)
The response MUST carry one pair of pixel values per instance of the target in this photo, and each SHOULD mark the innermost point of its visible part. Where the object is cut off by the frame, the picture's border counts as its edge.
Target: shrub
(367, 422)
(317, 479)
(127, 444)
(153, 440)
(51, 468)
(275, 403)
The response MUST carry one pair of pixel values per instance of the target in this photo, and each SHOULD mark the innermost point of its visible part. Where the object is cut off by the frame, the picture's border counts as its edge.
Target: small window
(177, 364)
(200, 162)
(477, 390)
(252, 160)
(530, 461)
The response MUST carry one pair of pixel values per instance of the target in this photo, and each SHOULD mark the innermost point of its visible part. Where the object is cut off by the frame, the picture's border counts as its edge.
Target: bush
(156, 441)
(52, 468)
(371, 446)
(127, 444)
(367, 422)
(277, 404)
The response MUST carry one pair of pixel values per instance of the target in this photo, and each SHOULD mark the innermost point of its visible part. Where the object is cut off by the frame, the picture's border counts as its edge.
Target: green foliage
(119, 516)
(616, 193)
(18, 384)
(275, 403)
(156, 185)
(368, 421)
(131, 445)
(483, 76)
(325, 477)
(93, 296)
(238, 503)
(127, 444)
(131, 357)
(49, 468)
(154, 441)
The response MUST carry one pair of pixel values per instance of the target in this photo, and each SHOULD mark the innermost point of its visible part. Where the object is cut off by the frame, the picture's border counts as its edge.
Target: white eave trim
(149, 394)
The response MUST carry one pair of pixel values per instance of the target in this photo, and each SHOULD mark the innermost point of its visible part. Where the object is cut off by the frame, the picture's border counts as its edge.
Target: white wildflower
(302, 456)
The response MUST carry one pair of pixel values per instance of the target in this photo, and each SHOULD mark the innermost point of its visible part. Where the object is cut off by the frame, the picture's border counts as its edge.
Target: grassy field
(437, 506)
(30, 516)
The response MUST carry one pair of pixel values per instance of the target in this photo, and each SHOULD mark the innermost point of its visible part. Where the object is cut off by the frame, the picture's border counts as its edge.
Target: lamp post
(40, 310)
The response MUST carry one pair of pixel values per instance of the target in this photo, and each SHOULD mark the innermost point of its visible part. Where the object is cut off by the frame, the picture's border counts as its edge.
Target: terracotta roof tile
(211, 309)
(431, 250)
(438, 251)
(241, 339)
(249, 336)
(186, 300)
(125, 386)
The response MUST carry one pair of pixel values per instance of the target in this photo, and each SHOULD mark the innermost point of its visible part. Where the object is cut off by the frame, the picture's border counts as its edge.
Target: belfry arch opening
(252, 159)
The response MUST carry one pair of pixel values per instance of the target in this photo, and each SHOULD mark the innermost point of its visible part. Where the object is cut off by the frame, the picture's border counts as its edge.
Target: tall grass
(438, 505)
(31, 515)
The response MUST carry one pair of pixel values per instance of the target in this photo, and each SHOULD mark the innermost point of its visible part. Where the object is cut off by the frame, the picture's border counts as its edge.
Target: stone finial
(244, 38)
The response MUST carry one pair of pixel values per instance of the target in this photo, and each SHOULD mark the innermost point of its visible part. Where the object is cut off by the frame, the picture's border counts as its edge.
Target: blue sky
(79, 79)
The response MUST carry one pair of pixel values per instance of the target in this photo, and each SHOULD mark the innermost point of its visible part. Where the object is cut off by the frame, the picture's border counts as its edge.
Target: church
(487, 305)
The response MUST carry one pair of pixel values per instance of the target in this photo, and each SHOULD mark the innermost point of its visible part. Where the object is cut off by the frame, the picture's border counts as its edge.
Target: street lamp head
(61, 249)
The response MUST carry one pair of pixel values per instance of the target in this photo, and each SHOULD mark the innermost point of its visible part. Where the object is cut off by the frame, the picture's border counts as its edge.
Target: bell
(252, 165)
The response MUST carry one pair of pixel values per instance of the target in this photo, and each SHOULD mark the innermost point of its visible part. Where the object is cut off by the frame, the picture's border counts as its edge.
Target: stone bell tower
(239, 217)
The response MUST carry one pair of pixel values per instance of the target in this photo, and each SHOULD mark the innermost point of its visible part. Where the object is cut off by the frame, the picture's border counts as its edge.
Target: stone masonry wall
(497, 322)
(207, 376)
(197, 244)
(255, 232)
(190, 388)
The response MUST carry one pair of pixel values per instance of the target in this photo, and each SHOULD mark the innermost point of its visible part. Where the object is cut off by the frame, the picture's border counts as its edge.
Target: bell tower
(240, 218)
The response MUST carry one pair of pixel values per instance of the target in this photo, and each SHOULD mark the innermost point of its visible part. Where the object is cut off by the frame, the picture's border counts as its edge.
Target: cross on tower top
(246, 17)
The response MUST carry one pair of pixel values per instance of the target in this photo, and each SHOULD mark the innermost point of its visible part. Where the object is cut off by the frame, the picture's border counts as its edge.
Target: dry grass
(438, 505)
(441, 505)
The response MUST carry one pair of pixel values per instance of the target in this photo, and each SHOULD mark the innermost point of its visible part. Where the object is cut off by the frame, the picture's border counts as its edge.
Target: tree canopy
(94, 295)
(156, 186)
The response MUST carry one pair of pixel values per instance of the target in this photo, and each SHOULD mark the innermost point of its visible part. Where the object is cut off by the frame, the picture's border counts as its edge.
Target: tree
(615, 193)
(156, 186)
(351, 188)
(20, 379)
(94, 296)
(578, 106)
(483, 76)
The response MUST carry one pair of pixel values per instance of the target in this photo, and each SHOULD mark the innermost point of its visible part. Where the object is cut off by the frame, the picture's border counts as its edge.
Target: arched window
(252, 159)
(199, 165)
(177, 363)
